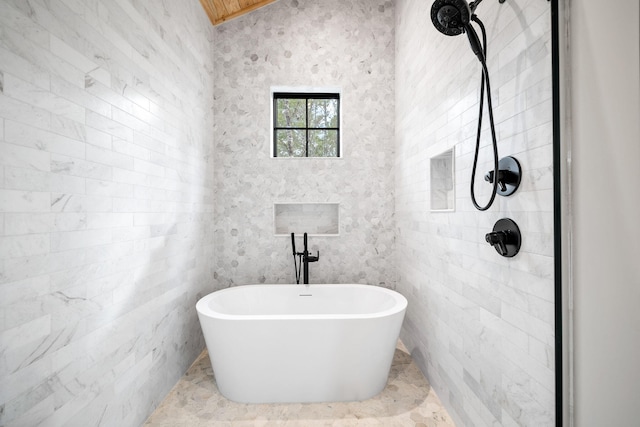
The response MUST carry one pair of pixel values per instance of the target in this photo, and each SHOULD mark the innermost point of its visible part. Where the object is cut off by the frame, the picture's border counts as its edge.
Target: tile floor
(408, 400)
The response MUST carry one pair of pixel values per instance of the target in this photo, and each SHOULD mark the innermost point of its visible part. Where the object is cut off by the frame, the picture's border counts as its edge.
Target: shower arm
(474, 4)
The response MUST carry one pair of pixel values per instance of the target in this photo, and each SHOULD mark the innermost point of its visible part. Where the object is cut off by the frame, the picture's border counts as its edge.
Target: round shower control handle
(505, 237)
(509, 176)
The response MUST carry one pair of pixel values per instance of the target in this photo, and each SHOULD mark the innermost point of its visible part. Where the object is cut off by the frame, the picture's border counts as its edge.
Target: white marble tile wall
(332, 43)
(479, 325)
(106, 205)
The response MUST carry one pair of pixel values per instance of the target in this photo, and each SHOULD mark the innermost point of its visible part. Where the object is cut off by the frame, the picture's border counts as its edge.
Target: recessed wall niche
(442, 182)
(316, 219)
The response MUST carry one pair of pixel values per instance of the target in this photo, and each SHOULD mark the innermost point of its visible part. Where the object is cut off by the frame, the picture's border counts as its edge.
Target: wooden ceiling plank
(233, 6)
(222, 7)
(220, 11)
(247, 3)
(210, 8)
(248, 9)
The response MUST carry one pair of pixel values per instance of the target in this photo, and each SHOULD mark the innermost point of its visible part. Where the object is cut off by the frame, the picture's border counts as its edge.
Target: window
(306, 124)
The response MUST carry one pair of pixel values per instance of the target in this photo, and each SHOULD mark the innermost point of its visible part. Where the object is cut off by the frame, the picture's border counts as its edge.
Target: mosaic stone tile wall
(106, 193)
(480, 326)
(343, 43)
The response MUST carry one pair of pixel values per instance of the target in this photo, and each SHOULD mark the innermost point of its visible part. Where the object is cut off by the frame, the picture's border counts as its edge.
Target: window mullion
(338, 106)
(306, 124)
(275, 127)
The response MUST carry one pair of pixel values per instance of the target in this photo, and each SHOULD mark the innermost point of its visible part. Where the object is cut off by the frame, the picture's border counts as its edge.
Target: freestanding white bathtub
(301, 343)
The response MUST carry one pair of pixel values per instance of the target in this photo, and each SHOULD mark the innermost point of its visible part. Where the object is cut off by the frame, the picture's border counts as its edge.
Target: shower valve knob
(502, 179)
(498, 239)
(509, 176)
(505, 237)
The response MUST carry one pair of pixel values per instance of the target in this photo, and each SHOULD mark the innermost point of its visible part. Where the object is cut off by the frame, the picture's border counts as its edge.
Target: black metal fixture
(453, 17)
(505, 237)
(304, 259)
(509, 176)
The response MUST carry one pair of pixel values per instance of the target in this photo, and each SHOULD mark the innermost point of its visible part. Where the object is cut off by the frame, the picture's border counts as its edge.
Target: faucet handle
(509, 176)
(505, 237)
(498, 240)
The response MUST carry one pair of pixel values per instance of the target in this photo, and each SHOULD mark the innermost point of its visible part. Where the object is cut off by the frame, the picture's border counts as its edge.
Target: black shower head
(450, 17)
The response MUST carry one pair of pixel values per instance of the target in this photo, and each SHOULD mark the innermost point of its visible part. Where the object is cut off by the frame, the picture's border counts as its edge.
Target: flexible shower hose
(485, 80)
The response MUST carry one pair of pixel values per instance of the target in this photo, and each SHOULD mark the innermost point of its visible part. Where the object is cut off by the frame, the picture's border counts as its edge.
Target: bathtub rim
(400, 305)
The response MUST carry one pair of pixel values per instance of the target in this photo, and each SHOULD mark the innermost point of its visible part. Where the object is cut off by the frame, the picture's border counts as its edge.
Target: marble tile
(11, 109)
(407, 400)
(12, 18)
(79, 96)
(23, 201)
(42, 58)
(20, 246)
(47, 142)
(15, 64)
(334, 43)
(23, 157)
(98, 319)
(72, 56)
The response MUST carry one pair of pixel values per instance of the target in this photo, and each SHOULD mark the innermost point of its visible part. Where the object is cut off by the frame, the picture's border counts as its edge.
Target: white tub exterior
(297, 343)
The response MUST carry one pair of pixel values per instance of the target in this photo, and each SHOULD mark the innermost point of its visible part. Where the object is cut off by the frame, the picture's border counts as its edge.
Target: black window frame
(306, 96)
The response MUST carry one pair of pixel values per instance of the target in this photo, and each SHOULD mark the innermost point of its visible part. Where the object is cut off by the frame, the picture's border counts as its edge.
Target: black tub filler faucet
(304, 257)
